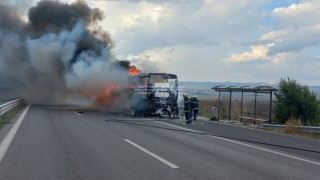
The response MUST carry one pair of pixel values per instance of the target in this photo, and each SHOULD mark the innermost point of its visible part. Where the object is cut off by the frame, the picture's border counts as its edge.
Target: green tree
(296, 101)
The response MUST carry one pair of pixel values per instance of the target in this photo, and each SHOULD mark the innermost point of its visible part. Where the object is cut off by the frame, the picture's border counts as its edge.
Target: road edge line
(152, 154)
(9, 137)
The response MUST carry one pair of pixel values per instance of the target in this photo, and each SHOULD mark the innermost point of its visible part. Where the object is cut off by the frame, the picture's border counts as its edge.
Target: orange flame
(105, 96)
(134, 71)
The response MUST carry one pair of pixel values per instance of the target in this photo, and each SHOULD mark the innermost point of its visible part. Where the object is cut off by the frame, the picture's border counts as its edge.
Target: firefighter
(187, 108)
(194, 107)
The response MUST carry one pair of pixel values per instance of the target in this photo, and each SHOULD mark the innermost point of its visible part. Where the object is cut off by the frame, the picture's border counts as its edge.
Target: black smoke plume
(59, 50)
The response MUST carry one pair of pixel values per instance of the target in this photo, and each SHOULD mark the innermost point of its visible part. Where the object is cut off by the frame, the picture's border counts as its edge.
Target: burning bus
(152, 94)
(155, 94)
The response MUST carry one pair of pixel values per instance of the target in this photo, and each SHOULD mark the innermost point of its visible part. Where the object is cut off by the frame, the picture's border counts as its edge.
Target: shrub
(213, 119)
(296, 101)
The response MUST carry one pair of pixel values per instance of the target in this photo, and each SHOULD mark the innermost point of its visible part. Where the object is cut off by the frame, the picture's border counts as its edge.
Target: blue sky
(276, 4)
(279, 3)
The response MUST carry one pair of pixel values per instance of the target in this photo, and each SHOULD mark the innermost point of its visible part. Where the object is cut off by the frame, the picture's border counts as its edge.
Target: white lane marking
(152, 154)
(177, 127)
(8, 139)
(248, 145)
(77, 113)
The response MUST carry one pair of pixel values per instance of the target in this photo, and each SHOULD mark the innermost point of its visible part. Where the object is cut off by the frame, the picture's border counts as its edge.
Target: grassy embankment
(6, 118)
(293, 126)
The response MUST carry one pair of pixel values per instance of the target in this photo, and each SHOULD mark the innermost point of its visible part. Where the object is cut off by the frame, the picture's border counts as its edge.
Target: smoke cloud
(60, 50)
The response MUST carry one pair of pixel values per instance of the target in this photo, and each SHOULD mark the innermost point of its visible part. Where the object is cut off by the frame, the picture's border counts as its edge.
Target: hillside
(203, 89)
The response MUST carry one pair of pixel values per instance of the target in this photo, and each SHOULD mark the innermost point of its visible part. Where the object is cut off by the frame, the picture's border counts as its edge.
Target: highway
(58, 143)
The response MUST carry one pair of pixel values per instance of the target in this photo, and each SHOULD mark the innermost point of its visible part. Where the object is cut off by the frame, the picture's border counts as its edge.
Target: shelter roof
(254, 89)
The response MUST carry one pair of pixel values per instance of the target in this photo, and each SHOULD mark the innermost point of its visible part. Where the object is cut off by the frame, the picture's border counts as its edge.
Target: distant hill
(226, 83)
(204, 88)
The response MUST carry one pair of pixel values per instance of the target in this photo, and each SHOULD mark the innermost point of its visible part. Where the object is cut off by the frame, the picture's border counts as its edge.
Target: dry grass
(293, 126)
(311, 135)
(205, 105)
(6, 119)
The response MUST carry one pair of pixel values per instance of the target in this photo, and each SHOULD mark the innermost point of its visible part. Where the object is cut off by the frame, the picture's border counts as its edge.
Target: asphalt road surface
(56, 143)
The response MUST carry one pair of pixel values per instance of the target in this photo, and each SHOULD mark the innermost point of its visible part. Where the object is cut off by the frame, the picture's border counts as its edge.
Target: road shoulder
(7, 127)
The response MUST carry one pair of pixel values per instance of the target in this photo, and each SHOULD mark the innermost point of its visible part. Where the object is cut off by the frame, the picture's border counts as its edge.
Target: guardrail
(8, 105)
(305, 129)
(251, 119)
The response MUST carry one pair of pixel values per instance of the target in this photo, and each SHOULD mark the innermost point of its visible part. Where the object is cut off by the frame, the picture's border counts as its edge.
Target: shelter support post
(219, 105)
(255, 108)
(230, 100)
(241, 106)
(270, 109)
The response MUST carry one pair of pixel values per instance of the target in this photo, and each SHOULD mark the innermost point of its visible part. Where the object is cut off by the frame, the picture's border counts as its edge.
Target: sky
(214, 40)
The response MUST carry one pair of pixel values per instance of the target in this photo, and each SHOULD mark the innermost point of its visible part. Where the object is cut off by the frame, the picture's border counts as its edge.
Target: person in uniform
(195, 107)
(187, 108)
